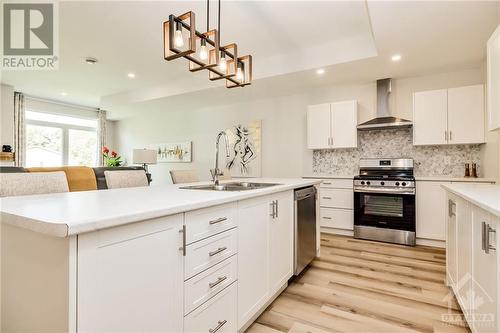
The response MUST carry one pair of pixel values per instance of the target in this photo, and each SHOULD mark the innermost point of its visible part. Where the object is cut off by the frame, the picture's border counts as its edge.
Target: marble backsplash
(397, 143)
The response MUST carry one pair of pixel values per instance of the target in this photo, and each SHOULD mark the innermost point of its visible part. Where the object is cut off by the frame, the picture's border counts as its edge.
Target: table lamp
(145, 157)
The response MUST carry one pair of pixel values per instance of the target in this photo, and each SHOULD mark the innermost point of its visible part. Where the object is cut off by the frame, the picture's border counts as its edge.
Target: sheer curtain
(101, 135)
(19, 129)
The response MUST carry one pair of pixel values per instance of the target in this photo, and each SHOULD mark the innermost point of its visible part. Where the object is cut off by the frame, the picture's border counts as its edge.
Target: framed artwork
(245, 142)
(173, 152)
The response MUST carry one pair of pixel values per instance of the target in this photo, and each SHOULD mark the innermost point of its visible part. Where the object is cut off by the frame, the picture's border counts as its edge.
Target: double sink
(234, 186)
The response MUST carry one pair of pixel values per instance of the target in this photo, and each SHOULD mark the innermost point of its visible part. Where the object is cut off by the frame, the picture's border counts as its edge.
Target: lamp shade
(144, 156)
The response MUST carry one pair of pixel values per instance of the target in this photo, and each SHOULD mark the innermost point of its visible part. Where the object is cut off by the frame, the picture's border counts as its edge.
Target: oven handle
(384, 191)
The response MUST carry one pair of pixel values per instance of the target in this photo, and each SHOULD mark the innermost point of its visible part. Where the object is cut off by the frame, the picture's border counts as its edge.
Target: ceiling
(352, 40)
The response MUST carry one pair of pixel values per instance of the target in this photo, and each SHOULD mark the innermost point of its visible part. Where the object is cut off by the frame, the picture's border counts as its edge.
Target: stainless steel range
(384, 201)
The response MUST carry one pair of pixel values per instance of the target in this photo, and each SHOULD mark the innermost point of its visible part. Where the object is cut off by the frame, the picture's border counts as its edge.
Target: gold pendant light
(203, 50)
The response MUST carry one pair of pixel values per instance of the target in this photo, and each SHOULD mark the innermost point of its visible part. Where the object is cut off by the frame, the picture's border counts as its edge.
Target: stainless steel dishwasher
(305, 227)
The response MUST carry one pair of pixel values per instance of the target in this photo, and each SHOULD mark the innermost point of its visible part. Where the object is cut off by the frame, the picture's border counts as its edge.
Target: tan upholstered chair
(184, 176)
(126, 178)
(27, 183)
(80, 178)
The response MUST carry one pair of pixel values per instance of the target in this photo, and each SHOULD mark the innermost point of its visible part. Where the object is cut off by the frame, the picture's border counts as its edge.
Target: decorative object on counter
(111, 159)
(172, 152)
(203, 50)
(467, 170)
(446, 160)
(145, 156)
(474, 170)
(245, 149)
(6, 149)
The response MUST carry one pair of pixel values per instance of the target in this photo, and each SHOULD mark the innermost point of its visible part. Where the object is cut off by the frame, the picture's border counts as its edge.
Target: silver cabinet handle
(327, 183)
(219, 220)
(277, 208)
(183, 247)
(487, 245)
(220, 323)
(272, 209)
(327, 218)
(451, 211)
(445, 135)
(219, 280)
(219, 250)
(483, 236)
(450, 135)
(328, 198)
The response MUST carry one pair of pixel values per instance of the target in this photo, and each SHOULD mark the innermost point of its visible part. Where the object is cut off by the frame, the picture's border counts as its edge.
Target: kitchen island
(145, 259)
(472, 261)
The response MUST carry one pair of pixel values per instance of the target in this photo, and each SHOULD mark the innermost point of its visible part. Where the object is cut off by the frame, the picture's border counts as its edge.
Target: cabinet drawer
(336, 198)
(206, 222)
(219, 312)
(337, 183)
(207, 284)
(337, 218)
(210, 251)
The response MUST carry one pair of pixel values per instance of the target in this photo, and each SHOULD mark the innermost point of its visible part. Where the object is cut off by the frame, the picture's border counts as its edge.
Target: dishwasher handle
(305, 193)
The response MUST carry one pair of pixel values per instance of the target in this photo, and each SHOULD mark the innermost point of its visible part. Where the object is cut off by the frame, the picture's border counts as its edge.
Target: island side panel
(35, 281)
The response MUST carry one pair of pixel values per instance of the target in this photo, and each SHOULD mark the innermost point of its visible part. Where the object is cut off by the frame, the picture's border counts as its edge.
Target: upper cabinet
(332, 125)
(449, 116)
(493, 77)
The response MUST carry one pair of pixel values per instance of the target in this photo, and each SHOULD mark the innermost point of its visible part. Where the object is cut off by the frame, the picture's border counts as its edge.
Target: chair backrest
(184, 176)
(80, 178)
(126, 178)
(101, 179)
(27, 183)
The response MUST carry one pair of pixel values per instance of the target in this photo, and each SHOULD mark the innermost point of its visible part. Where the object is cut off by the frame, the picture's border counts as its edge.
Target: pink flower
(105, 150)
(114, 154)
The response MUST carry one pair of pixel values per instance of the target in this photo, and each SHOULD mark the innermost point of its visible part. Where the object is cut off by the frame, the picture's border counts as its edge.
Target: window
(56, 140)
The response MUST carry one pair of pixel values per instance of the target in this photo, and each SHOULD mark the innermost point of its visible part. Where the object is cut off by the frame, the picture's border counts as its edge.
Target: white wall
(283, 123)
(7, 115)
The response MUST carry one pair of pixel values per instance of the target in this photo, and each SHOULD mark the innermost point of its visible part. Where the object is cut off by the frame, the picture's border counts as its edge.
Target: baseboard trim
(335, 231)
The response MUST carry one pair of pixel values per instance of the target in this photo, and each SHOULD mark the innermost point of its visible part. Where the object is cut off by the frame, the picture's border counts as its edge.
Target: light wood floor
(363, 286)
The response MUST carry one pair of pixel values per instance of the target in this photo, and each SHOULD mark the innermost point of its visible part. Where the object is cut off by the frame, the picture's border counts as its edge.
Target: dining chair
(28, 183)
(184, 176)
(125, 178)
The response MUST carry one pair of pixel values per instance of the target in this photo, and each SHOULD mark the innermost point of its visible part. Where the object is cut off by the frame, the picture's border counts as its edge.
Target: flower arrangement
(111, 159)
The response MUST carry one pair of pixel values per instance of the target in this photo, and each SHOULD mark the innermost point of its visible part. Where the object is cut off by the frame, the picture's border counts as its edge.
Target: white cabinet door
(318, 126)
(130, 278)
(431, 210)
(451, 241)
(464, 255)
(493, 79)
(253, 256)
(281, 242)
(430, 122)
(344, 120)
(466, 115)
(484, 274)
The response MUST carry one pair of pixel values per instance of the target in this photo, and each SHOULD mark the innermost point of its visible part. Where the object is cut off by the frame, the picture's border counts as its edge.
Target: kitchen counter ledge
(65, 214)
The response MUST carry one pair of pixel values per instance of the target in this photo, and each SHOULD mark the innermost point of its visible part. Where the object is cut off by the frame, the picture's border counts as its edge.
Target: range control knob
(404, 184)
(362, 182)
(382, 183)
(397, 183)
(367, 183)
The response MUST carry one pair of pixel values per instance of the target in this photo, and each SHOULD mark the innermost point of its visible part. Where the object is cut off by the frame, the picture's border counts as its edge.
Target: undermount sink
(234, 186)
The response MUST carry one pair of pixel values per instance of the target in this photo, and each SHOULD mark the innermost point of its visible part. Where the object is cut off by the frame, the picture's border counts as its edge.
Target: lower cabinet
(472, 263)
(265, 251)
(131, 278)
(431, 210)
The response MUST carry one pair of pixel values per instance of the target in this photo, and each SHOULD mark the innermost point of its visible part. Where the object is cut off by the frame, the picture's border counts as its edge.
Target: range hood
(385, 119)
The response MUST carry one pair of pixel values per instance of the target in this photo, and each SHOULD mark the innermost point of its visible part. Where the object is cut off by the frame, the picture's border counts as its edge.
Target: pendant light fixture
(203, 50)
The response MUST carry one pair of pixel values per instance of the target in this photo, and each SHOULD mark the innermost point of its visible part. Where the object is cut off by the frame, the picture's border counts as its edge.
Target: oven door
(385, 210)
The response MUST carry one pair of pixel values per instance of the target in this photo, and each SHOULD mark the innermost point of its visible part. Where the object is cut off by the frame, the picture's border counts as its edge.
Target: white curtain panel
(19, 129)
(101, 135)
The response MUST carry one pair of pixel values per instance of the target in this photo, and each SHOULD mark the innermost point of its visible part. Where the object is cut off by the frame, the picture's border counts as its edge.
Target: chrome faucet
(216, 172)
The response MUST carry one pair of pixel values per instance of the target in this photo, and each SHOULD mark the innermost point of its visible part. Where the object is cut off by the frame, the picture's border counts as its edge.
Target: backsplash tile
(397, 143)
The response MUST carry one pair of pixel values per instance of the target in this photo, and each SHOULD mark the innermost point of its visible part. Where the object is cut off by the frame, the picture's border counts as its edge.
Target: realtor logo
(29, 36)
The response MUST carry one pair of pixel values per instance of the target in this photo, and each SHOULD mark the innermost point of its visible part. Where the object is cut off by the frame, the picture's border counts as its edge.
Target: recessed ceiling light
(64, 93)
(396, 57)
(320, 71)
(131, 75)
(91, 60)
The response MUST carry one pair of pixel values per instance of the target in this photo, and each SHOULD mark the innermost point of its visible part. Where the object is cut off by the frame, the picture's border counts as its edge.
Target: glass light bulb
(178, 40)
(239, 74)
(203, 52)
(223, 64)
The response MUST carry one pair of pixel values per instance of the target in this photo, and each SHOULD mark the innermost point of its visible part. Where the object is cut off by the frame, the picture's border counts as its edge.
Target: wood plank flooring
(363, 286)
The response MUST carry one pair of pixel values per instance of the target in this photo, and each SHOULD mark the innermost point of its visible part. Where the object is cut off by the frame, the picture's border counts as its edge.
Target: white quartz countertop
(455, 179)
(327, 176)
(64, 214)
(484, 196)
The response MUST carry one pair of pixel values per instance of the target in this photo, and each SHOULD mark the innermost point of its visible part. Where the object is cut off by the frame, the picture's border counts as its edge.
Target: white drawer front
(206, 222)
(210, 251)
(337, 218)
(205, 285)
(336, 198)
(219, 312)
(337, 183)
